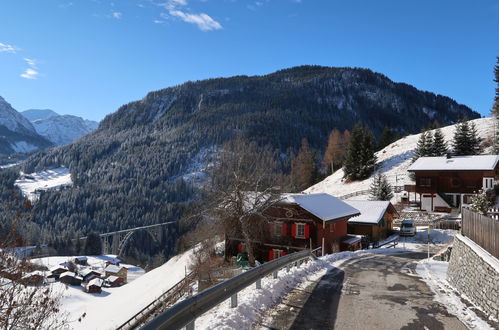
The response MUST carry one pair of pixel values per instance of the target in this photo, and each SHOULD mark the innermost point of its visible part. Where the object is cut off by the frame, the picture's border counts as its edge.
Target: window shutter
(284, 229)
(240, 248)
(271, 255)
(307, 231)
(283, 253)
(293, 230)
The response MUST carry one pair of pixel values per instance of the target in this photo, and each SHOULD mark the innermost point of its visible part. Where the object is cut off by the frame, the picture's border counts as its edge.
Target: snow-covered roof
(351, 240)
(113, 268)
(323, 206)
(95, 281)
(113, 278)
(85, 271)
(371, 212)
(81, 258)
(455, 163)
(70, 274)
(54, 268)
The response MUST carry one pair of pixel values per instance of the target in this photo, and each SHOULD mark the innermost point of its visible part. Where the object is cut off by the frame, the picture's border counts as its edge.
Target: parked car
(407, 228)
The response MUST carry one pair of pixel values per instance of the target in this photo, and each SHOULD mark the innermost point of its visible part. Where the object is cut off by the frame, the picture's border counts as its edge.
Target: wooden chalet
(115, 281)
(118, 271)
(375, 219)
(88, 274)
(83, 261)
(298, 222)
(56, 271)
(70, 278)
(93, 286)
(447, 182)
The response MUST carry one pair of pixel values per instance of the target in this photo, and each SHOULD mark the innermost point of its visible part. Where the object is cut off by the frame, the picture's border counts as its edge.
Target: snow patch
(23, 146)
(32, 184)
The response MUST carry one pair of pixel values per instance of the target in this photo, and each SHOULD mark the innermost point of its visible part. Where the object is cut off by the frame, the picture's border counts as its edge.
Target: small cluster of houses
(319, 220)
(89, 278)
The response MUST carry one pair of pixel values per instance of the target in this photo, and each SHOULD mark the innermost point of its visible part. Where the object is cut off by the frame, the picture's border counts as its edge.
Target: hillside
(17, 134)
(129, 171)
(393, 162)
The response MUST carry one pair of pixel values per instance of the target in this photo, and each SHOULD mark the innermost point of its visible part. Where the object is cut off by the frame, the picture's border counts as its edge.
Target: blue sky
(88, 57)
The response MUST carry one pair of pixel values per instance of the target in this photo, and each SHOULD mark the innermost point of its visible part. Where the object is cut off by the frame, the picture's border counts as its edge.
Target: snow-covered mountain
(17, 134)
(393, 162)
(59, 129)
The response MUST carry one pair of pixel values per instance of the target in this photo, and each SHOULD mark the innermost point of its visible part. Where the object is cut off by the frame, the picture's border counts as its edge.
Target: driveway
(373, 292)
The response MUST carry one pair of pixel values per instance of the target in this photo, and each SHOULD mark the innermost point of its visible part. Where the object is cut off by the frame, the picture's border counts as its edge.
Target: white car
(407, 228)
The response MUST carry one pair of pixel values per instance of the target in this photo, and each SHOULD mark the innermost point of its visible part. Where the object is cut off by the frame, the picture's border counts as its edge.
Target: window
(277, 229)
(300, 230)
(425, 182)
(488, 183)
(332, 227)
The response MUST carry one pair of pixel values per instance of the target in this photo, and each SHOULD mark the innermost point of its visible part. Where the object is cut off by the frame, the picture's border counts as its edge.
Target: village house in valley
(444, 183)
(117, 271)
(375, 219)
(302, 221)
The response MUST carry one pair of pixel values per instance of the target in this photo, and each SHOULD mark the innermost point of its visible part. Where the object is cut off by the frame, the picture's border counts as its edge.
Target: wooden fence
(396, 189)
(482, 229)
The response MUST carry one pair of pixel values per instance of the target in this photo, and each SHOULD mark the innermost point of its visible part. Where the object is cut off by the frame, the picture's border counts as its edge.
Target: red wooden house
(298, 222)
(446, 182)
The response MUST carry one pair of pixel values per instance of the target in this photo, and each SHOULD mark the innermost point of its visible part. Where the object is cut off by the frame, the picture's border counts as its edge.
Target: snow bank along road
(371, 292)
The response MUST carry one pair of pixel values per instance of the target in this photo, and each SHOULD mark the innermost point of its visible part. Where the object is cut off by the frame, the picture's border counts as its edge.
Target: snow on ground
(419, 242)
(393, 162)
(44, 180)
(253, 304)
(434, 273)
(114, 306)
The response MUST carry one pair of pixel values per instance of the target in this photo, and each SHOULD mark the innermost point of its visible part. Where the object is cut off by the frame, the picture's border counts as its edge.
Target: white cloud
(6, 48)
(30, 74)
(203, 21)
(31, 62)
(117, 14)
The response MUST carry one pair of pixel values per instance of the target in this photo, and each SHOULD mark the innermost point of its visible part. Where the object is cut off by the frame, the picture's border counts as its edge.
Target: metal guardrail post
(190, 325)
(233, 301)
(259, 284)
(274, 275)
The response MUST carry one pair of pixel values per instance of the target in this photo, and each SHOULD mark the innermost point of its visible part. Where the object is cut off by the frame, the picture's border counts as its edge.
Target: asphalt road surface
(375, 292)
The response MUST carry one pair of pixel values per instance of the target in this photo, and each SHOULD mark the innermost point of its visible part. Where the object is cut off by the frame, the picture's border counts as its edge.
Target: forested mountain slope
(128, 172)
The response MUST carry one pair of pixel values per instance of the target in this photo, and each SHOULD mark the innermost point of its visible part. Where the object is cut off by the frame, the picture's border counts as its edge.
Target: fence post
(190, 325)
(259, 284)
(274, 275)
(233, 301)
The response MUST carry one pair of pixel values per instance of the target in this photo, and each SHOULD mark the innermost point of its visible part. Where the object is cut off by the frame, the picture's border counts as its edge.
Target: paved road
(375, 292)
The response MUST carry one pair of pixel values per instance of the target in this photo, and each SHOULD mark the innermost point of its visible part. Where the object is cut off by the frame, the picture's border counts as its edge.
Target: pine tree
(438, 146)
(93, 244)
(461, 144)
(380, 189)
(367, 157)
(360, 159)
(386, 138)
(474, 140)
(424, 145)
(352, 164)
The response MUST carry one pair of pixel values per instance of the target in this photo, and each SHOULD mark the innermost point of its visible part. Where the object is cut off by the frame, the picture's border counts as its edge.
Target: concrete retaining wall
(475, 273)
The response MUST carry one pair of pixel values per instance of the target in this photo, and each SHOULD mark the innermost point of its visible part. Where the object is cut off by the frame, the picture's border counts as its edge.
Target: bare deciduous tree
(24, 303)
(242, 185)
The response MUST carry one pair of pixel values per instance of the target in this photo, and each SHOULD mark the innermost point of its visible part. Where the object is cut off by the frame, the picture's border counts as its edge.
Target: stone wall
(475, 273)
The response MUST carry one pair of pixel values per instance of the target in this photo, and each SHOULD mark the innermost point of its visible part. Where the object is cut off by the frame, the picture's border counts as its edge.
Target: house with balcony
(443, 183)
(297, 222)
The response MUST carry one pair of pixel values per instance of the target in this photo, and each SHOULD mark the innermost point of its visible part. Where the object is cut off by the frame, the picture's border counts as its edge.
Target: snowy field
(114, 306)
(44, 180)
(393, 162)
